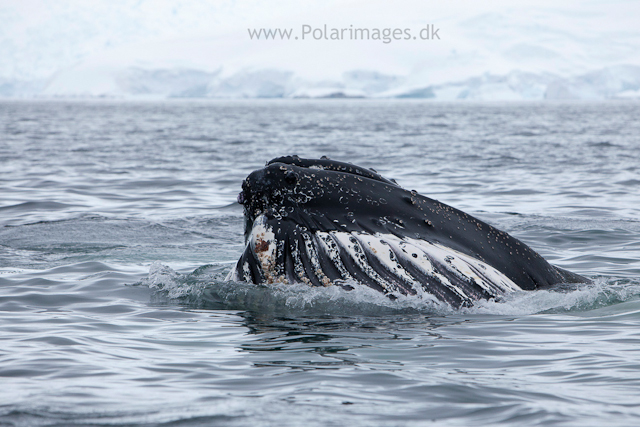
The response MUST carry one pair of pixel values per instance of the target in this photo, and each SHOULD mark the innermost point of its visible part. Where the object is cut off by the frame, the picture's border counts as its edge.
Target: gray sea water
(118, 224)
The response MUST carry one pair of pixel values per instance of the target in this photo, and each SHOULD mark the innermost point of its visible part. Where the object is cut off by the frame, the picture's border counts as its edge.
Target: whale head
(324, 222)
(323, 190)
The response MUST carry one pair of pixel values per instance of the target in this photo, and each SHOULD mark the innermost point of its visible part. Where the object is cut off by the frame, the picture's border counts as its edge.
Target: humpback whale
(324, 222)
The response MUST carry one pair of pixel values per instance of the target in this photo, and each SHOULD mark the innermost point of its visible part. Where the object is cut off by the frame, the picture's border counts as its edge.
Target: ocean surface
(118, 224)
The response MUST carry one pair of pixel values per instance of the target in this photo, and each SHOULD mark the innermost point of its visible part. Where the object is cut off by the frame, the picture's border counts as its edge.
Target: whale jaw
(388, 263)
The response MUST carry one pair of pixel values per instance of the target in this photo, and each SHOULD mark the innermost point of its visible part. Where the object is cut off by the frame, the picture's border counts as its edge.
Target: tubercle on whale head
(313, 190)
(266, 191)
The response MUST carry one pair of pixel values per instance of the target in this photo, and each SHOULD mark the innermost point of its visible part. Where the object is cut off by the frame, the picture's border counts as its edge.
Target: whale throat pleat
(385, 262)
(398, 265)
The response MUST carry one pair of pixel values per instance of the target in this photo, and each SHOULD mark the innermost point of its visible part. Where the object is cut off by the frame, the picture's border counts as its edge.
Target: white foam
(203, 290)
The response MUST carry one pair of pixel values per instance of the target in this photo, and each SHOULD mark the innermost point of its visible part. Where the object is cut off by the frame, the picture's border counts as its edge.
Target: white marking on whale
(387, 249)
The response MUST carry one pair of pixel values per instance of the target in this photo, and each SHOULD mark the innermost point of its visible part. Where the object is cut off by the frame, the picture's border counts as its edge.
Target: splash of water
(206, 288)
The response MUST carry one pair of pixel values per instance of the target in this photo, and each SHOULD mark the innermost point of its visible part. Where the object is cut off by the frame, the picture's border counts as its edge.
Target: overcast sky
(39, 38)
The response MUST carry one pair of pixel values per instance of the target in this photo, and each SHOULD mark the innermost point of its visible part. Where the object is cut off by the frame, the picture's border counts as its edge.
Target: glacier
(615, 82)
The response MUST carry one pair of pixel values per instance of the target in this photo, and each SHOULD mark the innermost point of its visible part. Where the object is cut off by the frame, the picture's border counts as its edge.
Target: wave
(206, 288)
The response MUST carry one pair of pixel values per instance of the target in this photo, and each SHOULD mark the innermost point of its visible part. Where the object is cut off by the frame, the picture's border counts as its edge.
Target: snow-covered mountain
(169, 48)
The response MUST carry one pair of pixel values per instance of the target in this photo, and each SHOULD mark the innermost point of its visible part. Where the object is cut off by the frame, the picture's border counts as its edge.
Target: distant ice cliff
(138, 83)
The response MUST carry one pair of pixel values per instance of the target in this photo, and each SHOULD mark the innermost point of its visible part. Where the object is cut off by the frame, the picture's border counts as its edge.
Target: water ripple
(119, 225)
